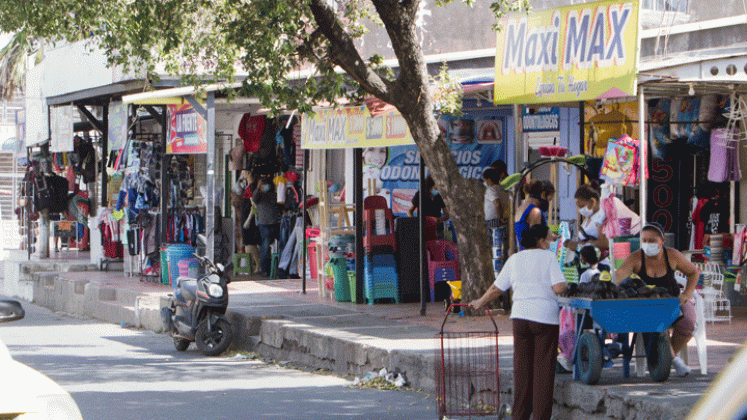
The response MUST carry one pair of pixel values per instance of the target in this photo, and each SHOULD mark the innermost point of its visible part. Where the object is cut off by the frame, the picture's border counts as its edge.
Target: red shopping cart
(467, 372)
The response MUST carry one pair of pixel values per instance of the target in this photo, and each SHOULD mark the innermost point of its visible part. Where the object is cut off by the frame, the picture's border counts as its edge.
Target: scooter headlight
(215, 290)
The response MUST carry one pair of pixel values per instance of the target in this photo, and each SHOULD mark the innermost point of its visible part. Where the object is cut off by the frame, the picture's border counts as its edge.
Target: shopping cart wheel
(589, 358)
(659, 356)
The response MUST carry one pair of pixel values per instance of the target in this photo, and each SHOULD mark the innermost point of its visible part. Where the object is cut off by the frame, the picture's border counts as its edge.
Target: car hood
(25, 390)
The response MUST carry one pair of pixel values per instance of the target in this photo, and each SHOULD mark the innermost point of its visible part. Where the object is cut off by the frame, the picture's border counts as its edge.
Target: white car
(26, 394)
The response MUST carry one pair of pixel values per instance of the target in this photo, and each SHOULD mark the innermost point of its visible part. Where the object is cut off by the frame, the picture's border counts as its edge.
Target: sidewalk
(275, 319)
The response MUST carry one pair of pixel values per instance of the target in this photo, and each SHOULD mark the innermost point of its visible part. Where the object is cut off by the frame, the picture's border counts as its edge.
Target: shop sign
(395, 172)
(20, 131)
(62, 129)
(117, 125)
(573, 53)
(187, 131)
(353, 127)
(540, 119)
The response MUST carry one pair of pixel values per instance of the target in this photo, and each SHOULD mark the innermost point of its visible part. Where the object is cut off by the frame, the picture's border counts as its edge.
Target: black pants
(535, 355)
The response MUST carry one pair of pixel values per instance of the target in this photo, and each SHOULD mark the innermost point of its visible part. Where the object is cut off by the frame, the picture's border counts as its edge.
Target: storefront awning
(721, 71)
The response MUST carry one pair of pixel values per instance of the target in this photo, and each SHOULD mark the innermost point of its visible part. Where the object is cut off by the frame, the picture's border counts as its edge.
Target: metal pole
(518, 163)
(104, 156)
(210, 167)
(643, 152)
(165, 168)
(305, 250)
(421, 229)
(359, 251)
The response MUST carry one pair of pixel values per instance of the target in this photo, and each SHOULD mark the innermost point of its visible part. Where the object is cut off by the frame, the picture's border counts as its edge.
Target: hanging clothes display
(739, 251)
(621, 162)
(183, 226)
(724, 163)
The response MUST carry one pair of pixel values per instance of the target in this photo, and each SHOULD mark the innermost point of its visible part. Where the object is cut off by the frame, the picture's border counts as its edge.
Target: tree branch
(344, 53)
(412, 81)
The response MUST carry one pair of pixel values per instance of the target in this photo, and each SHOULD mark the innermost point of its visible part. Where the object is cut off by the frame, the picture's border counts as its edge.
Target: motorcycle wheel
(181, 344)
(215, 343)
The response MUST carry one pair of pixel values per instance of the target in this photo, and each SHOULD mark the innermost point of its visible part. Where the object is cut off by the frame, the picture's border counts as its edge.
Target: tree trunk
(412, 95)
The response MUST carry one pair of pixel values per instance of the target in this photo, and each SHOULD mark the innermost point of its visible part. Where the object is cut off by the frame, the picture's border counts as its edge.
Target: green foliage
(274, 46)
(448, 93)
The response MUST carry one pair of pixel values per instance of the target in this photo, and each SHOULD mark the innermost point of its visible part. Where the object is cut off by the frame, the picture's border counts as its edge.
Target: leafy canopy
(263, 42)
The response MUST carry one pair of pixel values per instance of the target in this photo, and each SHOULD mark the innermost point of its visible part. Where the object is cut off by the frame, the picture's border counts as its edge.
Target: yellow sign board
(575, 53)
(353, 127)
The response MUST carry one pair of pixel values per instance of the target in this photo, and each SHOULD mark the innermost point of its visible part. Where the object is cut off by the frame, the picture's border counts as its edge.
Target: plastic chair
(372, 206)
(700, 328)
(717, 305)
(443, 262)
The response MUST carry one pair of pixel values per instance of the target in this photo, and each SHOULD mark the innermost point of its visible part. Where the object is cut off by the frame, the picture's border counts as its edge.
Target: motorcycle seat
(187, 286)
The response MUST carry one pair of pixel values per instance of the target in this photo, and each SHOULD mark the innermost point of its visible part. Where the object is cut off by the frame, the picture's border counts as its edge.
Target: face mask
(585, 211)
(544, 205)
(265, 188)
(434, 192)
(650, 249)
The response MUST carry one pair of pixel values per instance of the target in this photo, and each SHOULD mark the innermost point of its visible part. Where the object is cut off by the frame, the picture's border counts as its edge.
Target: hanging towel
(724, 163)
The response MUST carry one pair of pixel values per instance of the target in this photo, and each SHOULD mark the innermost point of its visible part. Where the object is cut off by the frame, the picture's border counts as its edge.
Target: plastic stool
(238, 260)
(274, 266)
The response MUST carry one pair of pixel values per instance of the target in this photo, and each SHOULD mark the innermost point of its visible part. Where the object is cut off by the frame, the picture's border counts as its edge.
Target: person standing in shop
(588, 201)
(536, 280)
(433, 205)
(532, 211)
(268, 220)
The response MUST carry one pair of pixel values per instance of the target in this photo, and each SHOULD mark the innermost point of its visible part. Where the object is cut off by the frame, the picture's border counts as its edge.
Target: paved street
(120, 373)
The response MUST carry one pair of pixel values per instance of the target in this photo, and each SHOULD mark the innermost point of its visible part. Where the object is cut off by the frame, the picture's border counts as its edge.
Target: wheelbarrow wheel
(659, 357)
(589, 362)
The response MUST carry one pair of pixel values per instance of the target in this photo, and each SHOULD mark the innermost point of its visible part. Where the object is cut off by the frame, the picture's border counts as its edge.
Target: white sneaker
(680, 367)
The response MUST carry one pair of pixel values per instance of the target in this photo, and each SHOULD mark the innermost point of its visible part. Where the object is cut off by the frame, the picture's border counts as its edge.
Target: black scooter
(196, 311)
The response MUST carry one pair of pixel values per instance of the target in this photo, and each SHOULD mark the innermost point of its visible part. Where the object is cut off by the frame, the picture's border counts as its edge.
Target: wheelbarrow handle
(448, 311)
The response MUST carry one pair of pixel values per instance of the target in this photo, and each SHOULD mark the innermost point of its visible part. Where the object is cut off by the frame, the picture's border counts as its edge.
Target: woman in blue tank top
(532, 212)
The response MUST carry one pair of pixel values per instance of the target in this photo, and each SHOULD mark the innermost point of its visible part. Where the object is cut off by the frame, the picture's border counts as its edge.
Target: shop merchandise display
(632, 288)
(724, 163)
(621, 160)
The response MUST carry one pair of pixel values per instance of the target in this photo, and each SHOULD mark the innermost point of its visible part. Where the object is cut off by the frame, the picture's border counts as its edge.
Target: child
(589, 255)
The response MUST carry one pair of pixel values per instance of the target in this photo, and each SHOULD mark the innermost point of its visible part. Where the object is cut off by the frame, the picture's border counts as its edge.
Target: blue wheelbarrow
(596, 319)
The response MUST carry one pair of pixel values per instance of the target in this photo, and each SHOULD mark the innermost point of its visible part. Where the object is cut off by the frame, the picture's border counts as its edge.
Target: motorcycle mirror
(220, 267)
(202, 239)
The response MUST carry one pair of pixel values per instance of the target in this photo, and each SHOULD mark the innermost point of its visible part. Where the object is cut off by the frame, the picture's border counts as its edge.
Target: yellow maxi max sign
(352, 127)
(574, 53)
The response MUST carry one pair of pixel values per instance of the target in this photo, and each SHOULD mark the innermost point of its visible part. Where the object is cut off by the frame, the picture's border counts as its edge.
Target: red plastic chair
(443, 258)
(371, 241)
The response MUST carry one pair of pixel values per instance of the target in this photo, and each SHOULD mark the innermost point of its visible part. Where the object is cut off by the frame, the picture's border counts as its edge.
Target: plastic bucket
(176, 253)
(188, 267)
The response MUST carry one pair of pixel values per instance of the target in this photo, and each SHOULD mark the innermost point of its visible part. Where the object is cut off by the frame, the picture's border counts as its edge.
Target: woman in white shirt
(535, 277)
(588, 201)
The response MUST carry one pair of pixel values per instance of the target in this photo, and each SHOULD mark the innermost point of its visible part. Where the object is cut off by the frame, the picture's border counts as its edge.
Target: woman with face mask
(655, 264)
(535, 277)
(590, 233)
(532, 211)
(433, 205)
